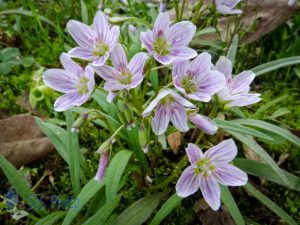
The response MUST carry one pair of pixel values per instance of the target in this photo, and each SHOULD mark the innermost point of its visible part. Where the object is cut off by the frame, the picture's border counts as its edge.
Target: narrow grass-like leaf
(87, 192)
(230, 204)
(233, 49)
(204, 31)
(166, 209)
(272, 128)
(233, 126)
(57, 136)
(51, 218)
(84, 13)
(27, 13)
(140, 211)
(100, 98)
(103, 213)
(74, 154)
(237, 112)
(21, 187)
(265, 171)
(280, 112)
(268, 105)
(114, 173)
(261, 152)
(270, 204)
(274, 65)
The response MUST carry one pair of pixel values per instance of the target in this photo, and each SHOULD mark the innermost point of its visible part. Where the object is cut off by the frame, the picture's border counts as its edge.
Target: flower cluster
(194, 77)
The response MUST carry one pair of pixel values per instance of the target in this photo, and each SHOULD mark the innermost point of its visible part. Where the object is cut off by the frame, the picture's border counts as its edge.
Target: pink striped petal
(81, 33)
(211, 191)
(161, 24)
(69, 100)
(84, 53)
(225, 151)
(240, 83)
(204, 123)
(181, 34)
(100, 25)
(229, 175)
(178, 117)
(182, 53)
(201, 64)
(147, 38)
(161, 120)
(224, 65)
(106, 72)
(69, 64)
(188, 182)
(194, 153)
(60, 80)
(136, 64)
(118, 58)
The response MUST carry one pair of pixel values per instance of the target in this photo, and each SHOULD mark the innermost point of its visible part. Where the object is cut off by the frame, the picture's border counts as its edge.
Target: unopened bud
(102, 166)
(143, 138)
(162, 7)
(132, 28)
(107, 12)
(78, 123)
(128, 114)
(105, 146)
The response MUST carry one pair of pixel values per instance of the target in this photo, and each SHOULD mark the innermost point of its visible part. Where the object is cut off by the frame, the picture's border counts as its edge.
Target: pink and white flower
(122, 75)
(169, 106)
(208, 170)
(196, 79)
(227, 6)
(76, 83)
(95, 43)
(236, 90)
(168, 42)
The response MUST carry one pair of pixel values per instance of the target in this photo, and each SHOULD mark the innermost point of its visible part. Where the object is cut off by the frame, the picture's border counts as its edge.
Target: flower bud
(162, 7)
(102, 166)
(132, 28)
(78, 123)
(143, 138)
(128, 114)
(105, 146)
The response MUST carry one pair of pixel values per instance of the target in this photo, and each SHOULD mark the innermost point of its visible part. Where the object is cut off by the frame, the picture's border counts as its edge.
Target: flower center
(100, 49)
(167, 100)
(82, 87)
(189, 84)
(204, 167)
(161, 46)
(126, 77)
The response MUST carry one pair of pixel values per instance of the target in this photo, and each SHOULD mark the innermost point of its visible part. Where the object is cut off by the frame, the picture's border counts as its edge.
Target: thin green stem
(182, 163)
(175, 3)
(39, 181)
(182, 9)
(199, 138)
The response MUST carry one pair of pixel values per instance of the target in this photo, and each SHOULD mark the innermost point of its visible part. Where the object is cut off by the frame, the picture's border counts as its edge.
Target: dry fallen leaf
(21, 140)
(175, 141)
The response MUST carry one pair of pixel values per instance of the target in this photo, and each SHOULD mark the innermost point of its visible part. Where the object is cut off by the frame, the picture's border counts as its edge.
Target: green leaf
(230, 204)
(265, 171)
(261, 152)
(233, 49)
(74, 154)
(84, 13)
(268, 105)
(233, 126)
(274, 65)
(237, 112)
(140, 211)
(272, 128)
(102, 214)
(114, 173)
(9, 53)
(57, 136)
(166, 209)
(100, 98)
(87, 192)
(204, 31)
(280, 112)
(269, 204)
(27, 13)
(21, 187)
(153, 76)
(27, 61)
(51, 218)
